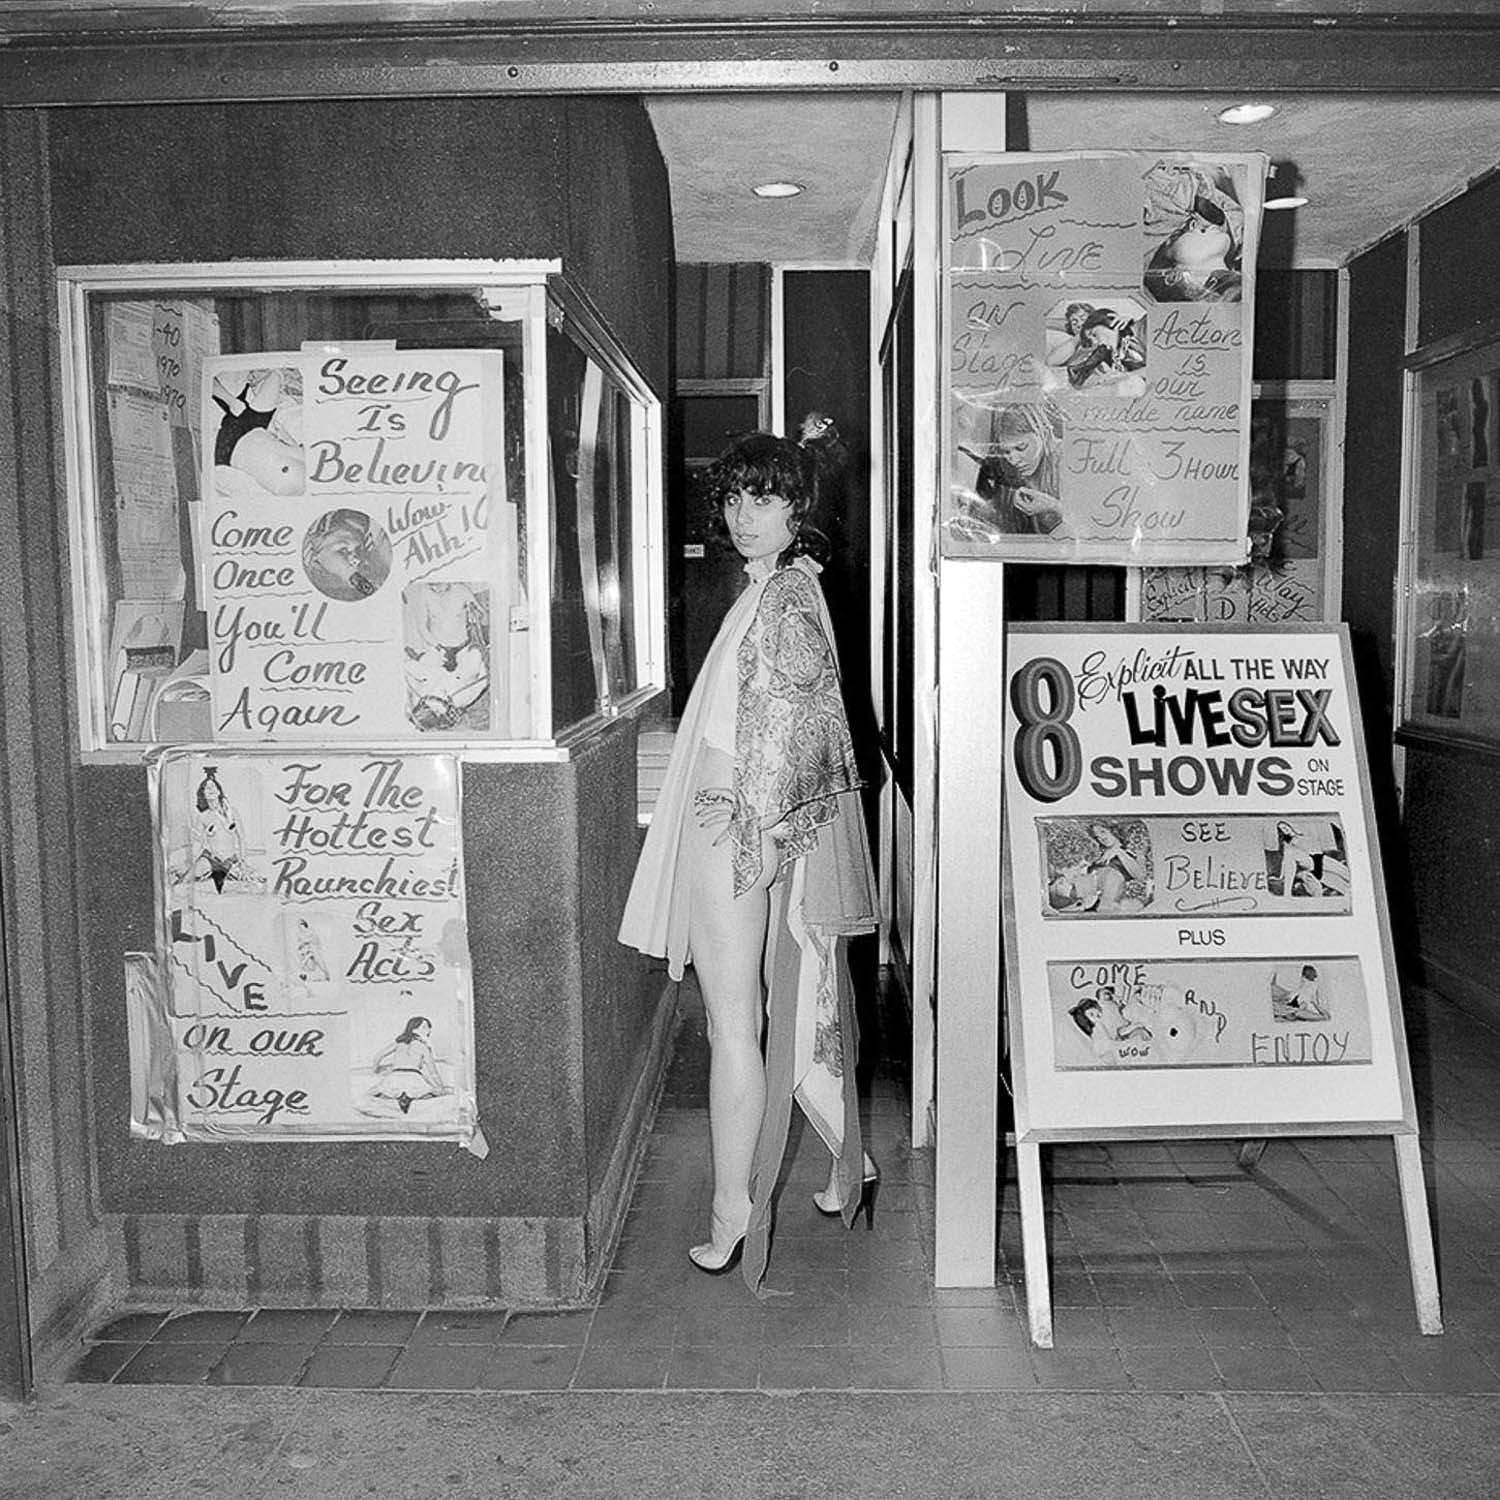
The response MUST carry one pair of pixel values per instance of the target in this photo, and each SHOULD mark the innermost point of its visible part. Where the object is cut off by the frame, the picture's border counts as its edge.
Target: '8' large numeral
(1049, 759)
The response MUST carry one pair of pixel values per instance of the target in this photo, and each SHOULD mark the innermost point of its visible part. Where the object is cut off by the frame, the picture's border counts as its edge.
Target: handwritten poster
(1099, 320)
(312, 978)
(183, 335)
(360, 554)
(1192, 885)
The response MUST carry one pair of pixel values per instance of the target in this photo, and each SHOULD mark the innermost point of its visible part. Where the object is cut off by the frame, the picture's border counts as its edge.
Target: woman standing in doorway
(756, 861)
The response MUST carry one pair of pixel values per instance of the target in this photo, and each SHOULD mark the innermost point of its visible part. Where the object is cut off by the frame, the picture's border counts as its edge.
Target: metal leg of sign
(1424, 1282)
(1250, 1153)
(1034, 1243)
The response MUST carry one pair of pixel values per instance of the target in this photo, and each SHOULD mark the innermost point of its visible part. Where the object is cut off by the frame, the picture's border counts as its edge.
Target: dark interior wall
(723, 318)
(579, 180)
(1372, 543)
(723, 334)
(619, 226)
(1457, 281)
(1296, 324)
(1372, 475)
(1453, 844)
(826, 327)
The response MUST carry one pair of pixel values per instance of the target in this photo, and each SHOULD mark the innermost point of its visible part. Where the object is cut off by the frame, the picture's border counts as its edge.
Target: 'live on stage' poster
(1099, 318)
(312, 976)
(1197, 937)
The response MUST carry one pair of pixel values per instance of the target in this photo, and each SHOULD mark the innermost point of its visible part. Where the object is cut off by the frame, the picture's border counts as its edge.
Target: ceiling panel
(1367, 163)
(719, 146)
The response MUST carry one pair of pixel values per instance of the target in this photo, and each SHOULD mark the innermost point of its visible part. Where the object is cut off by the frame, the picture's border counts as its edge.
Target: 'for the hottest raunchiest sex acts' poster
(1098, 332)
(312, 974)
(360, 562)
(1197, 931)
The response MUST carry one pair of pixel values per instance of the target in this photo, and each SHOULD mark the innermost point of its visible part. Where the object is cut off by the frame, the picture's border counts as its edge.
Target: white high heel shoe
(722, 1252)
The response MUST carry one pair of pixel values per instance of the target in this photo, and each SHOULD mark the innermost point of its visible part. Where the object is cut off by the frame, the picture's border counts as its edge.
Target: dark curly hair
(764, 464)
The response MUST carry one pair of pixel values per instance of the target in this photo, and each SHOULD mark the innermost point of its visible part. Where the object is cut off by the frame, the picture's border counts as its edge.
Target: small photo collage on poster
(258, 443)
(446, 637)
(1303, 1011)
(1195, 232)
(1223, 865)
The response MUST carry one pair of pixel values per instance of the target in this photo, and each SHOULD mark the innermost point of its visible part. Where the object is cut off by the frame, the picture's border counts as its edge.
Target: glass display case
(384, 502)
(1448, 610)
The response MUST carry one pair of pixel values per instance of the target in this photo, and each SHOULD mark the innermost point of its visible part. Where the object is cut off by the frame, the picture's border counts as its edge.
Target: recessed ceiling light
(1290, 202)
(1247, 114)
(777, 189)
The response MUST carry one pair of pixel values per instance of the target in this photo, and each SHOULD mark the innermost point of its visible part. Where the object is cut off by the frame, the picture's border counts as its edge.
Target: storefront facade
(239, 136)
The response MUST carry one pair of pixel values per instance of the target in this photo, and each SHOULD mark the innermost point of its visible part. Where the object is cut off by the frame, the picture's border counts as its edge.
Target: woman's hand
(713, 806)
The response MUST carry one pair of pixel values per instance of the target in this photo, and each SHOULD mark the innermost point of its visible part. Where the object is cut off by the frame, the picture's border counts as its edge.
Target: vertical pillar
(969, 666)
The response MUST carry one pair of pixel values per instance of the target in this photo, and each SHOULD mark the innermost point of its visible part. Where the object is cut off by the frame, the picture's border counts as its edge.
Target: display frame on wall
(1448, 584)
(572, 629)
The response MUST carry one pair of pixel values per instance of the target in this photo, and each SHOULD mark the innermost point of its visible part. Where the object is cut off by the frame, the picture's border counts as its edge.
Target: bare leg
(727, 936)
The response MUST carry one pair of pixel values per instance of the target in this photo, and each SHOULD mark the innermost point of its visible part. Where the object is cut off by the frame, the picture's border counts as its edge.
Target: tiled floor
(1173, 1270)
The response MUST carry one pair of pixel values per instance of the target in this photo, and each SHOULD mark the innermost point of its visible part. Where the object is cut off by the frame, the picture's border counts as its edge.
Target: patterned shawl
(792, 752)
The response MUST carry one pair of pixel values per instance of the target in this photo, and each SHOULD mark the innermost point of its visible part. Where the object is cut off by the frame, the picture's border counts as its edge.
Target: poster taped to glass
(312, 975)
(1098, 326)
